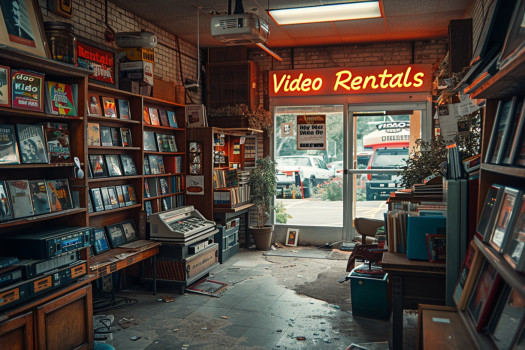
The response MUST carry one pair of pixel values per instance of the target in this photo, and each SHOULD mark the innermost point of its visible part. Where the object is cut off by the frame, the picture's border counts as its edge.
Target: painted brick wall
(89, 23)
(476, 11)
(354, 55)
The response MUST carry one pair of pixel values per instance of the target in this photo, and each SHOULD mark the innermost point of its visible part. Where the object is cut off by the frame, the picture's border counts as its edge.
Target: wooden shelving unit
(508, 82)
(205, 136)
(105, 212)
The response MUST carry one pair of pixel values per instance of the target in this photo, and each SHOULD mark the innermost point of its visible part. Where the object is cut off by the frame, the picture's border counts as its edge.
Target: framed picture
(503, 327)
(515, 40)
(481, 299)
(116, 235)
(513, 146)
(101, 241)
(437, 248)
(515, 244)
(130, 231)
(504, 218)
(128, 164)
(98, 165)
(172, 119)
(486, 221)
(94, 108)
(501, 129)
(123, 109)
(21, 27)
(292, 237)
(109, 107)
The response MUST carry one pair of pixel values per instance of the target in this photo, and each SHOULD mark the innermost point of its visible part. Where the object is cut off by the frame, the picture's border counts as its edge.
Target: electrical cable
(107, 301)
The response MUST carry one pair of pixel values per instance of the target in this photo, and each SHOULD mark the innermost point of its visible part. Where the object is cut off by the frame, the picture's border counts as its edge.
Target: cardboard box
(140, 71)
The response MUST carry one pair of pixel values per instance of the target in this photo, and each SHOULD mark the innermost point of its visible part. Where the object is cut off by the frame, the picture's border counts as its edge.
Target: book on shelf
(153, 186)
(32, 144)
(6, 213)
(59, 194)
(93, 134)
(5, 86)
(154, 117)
(23, 81)
(57, 136)
(105, 136)
(231, 197)
(39, 197)
(109, 107)
(178, 164)
(163, 117)
(61, 99)
(93, 107)
(20, 198)
(177, 184)
(244, 176)
(225, 178)
(123, 109)
(8, 145)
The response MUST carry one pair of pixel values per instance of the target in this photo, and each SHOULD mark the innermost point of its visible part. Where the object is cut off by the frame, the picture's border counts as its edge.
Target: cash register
(180, 225)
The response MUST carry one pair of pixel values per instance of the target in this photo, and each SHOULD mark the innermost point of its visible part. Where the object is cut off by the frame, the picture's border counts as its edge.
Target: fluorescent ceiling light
(327, 13)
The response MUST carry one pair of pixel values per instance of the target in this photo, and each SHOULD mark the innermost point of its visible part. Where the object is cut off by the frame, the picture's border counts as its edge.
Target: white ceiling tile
(362, 26)
(453, 5)
(310, 29)
(409, 7)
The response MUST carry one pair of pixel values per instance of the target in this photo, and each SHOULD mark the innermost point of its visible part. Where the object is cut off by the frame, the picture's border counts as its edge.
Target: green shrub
(281, 216)
(331, 190)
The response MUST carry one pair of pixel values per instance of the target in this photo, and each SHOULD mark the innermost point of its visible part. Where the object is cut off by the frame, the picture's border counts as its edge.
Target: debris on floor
(135, 338)
(168, 299)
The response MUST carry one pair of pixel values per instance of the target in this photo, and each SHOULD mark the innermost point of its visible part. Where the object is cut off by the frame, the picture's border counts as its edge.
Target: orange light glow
(329, 81)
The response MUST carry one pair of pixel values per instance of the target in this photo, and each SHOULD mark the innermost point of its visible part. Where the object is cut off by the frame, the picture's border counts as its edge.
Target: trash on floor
(168, 299)
(135, 338)
(225, 317)
(209, 287)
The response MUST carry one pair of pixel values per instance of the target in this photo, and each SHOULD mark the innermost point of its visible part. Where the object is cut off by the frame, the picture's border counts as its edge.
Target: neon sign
(355, 80)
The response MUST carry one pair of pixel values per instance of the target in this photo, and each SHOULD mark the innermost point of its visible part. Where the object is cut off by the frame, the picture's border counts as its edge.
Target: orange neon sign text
(348, 80)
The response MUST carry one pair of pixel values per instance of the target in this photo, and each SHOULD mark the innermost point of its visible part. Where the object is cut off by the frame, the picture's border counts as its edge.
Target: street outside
(312, 212)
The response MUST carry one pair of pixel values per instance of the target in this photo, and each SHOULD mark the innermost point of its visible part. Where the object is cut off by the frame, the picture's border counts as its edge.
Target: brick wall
(352, 55)
(476, 11)
(89, 23)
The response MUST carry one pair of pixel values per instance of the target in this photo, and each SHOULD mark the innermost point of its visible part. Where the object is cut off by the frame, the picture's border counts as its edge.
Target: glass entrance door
(381, 140)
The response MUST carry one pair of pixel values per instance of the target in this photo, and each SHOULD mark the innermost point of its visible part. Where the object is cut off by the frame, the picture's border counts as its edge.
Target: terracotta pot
(262, 237)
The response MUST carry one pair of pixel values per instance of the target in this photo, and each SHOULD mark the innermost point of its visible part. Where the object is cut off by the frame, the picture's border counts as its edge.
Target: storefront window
(310, 185)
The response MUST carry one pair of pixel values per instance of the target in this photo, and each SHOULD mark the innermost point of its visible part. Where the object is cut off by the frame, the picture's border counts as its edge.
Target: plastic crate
(228, 240)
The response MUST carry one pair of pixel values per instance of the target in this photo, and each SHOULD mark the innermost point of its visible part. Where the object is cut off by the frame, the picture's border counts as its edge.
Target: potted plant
(262, 190)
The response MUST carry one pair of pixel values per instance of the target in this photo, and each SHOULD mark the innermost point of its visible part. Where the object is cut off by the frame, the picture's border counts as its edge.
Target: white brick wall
(89, 23)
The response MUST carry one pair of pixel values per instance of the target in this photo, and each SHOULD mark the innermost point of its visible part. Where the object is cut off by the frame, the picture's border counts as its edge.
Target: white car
(312, 172)
(336, 168)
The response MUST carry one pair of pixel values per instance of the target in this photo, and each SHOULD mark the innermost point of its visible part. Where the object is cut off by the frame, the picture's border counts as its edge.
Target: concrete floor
(263, 310)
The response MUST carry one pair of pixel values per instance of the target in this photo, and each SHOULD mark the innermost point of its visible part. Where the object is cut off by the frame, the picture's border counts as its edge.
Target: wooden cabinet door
(66, 323)
(17, 333)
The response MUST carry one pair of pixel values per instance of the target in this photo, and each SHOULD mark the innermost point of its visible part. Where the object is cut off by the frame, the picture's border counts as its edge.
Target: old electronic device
(47, 243)
(7, 261)
(136, 39)
(240, 29)
(23, 290)
(10, 275)
(181, 225)
(34, 268)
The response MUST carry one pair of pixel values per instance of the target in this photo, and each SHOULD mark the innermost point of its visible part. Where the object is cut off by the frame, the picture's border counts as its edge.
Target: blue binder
(417, 229)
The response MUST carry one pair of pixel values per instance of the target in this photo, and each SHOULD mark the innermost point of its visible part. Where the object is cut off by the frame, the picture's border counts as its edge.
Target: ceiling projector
(142, 39)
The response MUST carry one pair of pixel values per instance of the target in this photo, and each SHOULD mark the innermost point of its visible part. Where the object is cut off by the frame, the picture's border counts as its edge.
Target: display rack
(205, 136)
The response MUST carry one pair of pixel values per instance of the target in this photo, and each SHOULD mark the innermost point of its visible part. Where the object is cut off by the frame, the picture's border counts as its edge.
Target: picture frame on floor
(292, 236)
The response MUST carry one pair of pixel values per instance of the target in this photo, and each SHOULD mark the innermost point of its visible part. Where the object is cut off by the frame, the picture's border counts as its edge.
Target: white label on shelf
(440, 320)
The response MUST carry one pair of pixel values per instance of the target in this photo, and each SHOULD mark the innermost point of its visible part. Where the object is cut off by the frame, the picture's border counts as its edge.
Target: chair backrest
(367, 227)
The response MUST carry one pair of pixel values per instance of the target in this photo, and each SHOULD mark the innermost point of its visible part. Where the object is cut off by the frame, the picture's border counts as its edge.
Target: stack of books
(244, 177)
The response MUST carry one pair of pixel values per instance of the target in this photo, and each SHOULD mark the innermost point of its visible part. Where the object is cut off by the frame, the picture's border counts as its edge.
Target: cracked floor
(274, 301)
